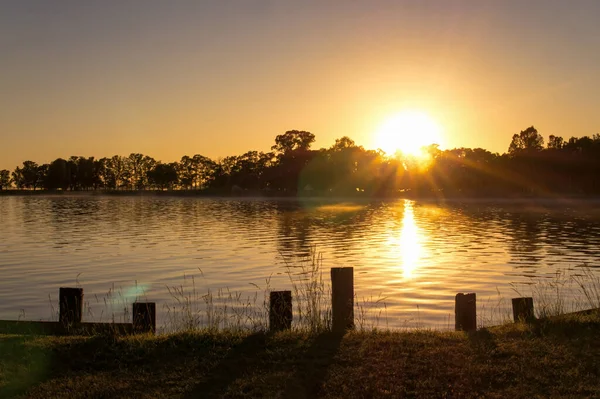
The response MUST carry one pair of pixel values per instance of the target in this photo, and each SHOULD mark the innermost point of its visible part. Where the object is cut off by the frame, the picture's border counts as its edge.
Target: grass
(557, 357)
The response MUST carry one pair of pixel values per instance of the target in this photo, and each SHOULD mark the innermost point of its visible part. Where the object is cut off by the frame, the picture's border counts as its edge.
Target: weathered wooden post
(523, 309)
(465, 312)
(342, 299)
(280, 310)
(144, 317)
(70, 305)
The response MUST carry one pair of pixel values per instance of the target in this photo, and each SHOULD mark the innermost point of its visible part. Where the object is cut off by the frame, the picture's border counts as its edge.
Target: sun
(408, 131)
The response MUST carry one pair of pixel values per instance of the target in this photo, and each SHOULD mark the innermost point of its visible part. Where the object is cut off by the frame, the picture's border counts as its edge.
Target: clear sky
(169, 78)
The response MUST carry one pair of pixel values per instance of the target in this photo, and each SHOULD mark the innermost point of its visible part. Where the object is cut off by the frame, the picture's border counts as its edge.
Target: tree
(118, 167)
(17, 178)
(580, 144)
(185, 171)
(57, 175)
(293, 155)
(27, 176)
(343, 143)
(293, 140)
(247, 170)
(195, 172)
(5, 179)
(42, 173)
(529, 140)
(139, 165)
(433, 150)
(102, 174)
(555, 142)
(202, 168)
(163, 175)
(86, 172)
(73, 172)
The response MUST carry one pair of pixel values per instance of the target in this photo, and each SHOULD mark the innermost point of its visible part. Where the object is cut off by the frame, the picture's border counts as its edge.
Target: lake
(410, 257)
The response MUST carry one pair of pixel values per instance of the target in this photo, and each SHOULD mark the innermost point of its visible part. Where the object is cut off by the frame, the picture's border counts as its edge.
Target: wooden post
(465, 312)
(280, 310)
(144, 317)
(342, 299)
(70, 305)
(523, 309)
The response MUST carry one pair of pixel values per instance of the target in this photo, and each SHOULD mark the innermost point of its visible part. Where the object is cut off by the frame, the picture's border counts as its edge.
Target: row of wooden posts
(280, 310)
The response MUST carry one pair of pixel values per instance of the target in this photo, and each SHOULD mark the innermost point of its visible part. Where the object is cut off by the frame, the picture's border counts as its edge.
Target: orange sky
(219, 79)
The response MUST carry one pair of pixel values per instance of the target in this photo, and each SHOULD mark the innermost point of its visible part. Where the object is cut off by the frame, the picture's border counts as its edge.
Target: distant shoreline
(259, 195)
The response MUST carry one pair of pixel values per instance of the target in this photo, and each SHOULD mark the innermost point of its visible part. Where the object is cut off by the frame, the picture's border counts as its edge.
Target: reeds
(565, 291)
(493, 311)
(311, 295)
(214, 310)
(589, 286)
(238, 312)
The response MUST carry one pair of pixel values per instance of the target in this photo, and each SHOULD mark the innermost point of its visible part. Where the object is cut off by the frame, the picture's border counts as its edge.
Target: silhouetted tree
(163, 176)
(58, 175)
(27, 176)
(85, 173)
(555, 142)
(528, 140)
(119, 172)
(293, 155)
(5, 180)
(343, 143)
(102, 173)
(42, 172)
(138, 167)
(185, 172)
(247, 170)
(195, 172)
(293, 140)
(17, 178)
(203, 168)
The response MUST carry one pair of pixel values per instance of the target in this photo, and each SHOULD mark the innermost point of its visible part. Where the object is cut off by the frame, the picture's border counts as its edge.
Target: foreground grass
(557, 358)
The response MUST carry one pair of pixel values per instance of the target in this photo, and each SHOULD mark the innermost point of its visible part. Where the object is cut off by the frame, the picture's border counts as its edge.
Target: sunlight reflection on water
(410, 241)
(406, 243)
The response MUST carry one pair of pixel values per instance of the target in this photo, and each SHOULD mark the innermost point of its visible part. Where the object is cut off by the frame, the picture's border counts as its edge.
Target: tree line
(528, 167)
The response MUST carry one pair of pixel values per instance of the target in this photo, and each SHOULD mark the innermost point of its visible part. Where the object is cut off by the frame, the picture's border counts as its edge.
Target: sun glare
(407, 132)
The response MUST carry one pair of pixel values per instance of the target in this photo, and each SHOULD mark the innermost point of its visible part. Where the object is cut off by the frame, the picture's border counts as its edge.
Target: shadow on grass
(311, 372)
(482, 341)
(285, 365)
(240, 359)
(106, 366)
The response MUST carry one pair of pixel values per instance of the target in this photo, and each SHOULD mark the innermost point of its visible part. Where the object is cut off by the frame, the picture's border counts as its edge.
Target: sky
(218, 78)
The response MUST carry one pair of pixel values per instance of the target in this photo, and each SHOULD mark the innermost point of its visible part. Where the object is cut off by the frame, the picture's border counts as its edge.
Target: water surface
(411, 256)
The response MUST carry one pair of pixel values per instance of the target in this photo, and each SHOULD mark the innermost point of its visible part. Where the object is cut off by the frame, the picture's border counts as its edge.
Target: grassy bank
(555, 358)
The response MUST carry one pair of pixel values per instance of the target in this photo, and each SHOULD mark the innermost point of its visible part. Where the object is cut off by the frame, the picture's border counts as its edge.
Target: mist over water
(413, 256)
